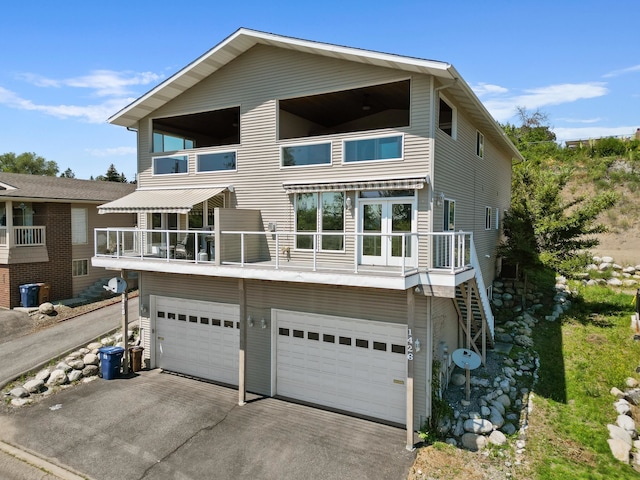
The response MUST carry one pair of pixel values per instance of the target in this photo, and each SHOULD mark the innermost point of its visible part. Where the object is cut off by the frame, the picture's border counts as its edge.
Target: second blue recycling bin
(110, 360)
(29, 294)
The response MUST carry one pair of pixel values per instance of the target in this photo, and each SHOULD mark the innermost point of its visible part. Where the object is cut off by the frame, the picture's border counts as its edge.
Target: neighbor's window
(80, 268)
(449, 224)
(329, 218)
(164, 142)
(385, 148)
(170, 165)
(447, 118)
(302, 155)
(216, 162)
(479, 144)
(79, 234)
(487, 218)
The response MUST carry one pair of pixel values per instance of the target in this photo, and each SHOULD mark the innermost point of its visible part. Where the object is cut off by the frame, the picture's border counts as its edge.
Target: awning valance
(179, 200)
(409, 183)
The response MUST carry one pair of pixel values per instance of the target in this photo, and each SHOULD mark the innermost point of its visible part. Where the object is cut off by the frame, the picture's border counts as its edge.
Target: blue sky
(65, 67)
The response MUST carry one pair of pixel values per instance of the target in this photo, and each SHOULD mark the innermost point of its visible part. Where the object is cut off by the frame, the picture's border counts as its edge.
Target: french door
(380, 222)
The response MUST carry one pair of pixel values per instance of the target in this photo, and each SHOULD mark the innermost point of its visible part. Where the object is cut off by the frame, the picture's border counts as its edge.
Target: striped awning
(410, 183)
(179, 200)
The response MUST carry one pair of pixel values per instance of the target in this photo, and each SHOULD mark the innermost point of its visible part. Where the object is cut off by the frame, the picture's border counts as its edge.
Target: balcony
(398, 260)
(22, 236)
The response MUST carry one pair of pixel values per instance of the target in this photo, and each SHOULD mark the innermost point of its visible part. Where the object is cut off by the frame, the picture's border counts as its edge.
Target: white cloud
(483, 89)
(617, 73)
(579, 120)
(503, 107)
(585, 133)
(112, 152)
(104, 82)
(98, 113)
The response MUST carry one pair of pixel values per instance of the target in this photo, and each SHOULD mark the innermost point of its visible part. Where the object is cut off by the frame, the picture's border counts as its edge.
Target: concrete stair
(96, 291)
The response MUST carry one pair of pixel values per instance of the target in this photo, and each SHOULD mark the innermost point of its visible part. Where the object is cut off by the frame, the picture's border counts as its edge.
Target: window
(329, 218)
(449, 224)
(216, 162)
(385, 148)
(80, 268)
(447, 118)
(197, 130)
(303, 155)
(487, 218)
(79, 228)
(479, 144)
(169, 165)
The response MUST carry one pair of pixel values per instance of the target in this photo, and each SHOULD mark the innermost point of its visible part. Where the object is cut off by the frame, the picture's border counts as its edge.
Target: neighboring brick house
(46, 232)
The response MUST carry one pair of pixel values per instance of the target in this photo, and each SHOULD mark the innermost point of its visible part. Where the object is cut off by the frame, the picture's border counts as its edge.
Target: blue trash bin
(110, 360)
(29, 294)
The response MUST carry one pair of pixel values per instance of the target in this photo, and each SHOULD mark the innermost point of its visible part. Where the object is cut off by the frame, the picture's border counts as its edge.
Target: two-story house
(46, 233)
(315, 222)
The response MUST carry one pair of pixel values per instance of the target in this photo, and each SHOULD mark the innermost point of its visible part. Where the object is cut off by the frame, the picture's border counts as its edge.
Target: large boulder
(478, 425)
(46, 308)
(34, 386)
(474, 442)
(58, 377)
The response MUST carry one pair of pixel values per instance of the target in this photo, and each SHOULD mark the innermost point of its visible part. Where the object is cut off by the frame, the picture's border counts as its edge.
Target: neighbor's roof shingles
(23, 186)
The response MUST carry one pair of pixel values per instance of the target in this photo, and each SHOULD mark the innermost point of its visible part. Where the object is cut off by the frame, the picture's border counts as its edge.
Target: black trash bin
(29, 294)
(110, 361)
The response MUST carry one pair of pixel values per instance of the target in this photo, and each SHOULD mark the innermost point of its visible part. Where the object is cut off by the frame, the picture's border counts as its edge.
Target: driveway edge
(64, 473)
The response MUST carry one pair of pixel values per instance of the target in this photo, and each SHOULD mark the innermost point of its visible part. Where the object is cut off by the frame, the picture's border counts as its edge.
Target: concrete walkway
(32, 351)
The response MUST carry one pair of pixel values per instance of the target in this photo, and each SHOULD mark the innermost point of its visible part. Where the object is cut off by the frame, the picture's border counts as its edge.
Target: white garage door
(197, 338)
(349, 364)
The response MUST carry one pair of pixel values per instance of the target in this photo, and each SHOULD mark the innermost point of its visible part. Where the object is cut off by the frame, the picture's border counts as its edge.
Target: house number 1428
(409, 345)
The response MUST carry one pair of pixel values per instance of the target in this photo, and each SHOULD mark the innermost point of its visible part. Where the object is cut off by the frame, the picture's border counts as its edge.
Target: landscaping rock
(33, 386)
(90, 370)
(20, 402)
(91, 359)
(619, 433)
(76, 364)
(94, 346)
(74, 375)
(63, 366)
(497, 438)
(474, 442)
(43, 374)
(478, 426)
(19, 392)
(46, 308)
(625, 422)
(58, 377)
(620, 449)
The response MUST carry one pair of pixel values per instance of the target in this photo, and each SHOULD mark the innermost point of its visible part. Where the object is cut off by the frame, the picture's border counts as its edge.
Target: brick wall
(56, 217)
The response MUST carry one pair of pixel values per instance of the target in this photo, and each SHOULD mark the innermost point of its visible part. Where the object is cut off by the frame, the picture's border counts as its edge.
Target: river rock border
(80, 366)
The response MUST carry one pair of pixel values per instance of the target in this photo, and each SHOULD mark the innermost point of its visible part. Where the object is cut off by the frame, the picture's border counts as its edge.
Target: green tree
(542, 228)
(533, 136)
(29, 163)
(112, 175)
(68, 173)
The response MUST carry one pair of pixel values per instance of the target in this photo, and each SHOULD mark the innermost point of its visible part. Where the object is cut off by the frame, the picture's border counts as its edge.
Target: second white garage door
(349, 364)
(197, 338)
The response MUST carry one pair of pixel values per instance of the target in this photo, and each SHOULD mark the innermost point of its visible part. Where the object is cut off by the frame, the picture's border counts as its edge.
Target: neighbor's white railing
(23, 236)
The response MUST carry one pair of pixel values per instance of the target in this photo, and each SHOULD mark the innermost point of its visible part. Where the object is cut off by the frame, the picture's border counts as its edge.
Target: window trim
(488, 218)
(157, 157)
(454, 117)
(319, 223)
(304, 144)
(479, 144)
(86, 226)
(446, 209)
(373, 137)
(197, 164)
(85, 261)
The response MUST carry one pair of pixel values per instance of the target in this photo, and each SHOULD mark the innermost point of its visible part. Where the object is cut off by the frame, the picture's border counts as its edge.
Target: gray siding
(262, 296)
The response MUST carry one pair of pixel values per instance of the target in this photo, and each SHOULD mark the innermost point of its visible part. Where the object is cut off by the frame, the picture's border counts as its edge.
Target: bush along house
(315, 222)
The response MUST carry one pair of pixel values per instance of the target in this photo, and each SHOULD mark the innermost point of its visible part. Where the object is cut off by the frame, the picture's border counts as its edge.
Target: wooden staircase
(474, 316)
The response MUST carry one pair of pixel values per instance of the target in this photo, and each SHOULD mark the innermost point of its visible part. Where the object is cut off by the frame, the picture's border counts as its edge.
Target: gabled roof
(244, 39)
(58, 189)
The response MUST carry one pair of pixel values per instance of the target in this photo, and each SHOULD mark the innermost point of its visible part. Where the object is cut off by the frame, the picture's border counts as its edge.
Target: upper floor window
(488, 211)
(385, 148)
(79, 227)
(197, 130)
(447, 118)
(170, 165)
(320, 213)
(303, 155)
(449, 223)
(479, 144)
(370, 107)
(216, 162)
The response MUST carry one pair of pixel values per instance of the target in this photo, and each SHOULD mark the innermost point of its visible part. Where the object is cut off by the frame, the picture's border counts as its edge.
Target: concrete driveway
(160, 426)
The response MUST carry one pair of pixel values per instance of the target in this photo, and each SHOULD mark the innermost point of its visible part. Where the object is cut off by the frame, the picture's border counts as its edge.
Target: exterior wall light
(263, 323)
(250, 320)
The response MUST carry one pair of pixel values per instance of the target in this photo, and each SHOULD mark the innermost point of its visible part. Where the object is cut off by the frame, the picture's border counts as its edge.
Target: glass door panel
(401, 216)
(372, 223)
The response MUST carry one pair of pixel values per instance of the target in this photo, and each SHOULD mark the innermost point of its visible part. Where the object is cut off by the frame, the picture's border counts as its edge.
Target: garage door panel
(342, 363)
(191, 338)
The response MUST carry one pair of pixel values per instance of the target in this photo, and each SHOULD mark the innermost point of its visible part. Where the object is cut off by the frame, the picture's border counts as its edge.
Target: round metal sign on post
(116, 285)
(466, 358)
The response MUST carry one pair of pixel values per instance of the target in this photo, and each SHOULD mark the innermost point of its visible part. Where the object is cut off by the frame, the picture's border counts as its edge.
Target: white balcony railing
(403, 253)
(23, 236)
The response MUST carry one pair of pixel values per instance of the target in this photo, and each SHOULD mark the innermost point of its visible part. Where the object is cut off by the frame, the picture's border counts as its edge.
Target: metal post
(125, 324)
(242, 294)
(411, 311)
